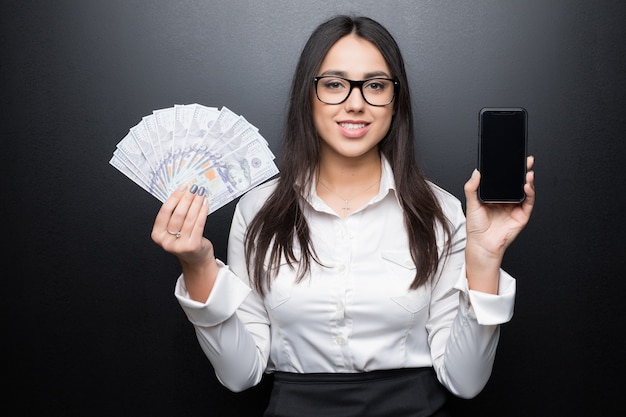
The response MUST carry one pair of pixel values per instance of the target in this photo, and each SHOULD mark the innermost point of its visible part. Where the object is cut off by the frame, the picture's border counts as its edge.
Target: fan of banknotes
(194, 144)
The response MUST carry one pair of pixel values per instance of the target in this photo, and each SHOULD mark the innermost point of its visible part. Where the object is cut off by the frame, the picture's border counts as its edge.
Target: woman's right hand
(178, 229)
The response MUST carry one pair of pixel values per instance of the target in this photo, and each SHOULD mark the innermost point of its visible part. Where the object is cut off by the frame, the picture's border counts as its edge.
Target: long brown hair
(280, 223)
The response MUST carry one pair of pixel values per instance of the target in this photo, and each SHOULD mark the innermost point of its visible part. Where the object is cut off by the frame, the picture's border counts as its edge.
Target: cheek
(322, 116)
(386, 119)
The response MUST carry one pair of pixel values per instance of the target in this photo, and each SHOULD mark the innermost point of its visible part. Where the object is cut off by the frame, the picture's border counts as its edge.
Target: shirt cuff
(226, 296)
(488, 309)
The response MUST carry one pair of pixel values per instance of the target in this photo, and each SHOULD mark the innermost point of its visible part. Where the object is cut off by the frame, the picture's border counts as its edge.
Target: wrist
(200, 278)
(482, 270)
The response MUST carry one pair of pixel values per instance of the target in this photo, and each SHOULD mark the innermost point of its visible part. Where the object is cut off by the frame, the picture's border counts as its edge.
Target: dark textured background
(90, 324)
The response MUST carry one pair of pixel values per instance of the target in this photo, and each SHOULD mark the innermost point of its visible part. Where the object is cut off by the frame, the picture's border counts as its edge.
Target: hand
(492, 227)
(179, 225)
(178, 229)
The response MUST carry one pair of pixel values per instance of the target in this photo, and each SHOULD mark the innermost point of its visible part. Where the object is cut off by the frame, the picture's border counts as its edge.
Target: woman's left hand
(492, 227)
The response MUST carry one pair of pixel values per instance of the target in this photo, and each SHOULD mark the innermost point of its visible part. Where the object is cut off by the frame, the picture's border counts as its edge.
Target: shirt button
(408, 264)
(339, 305)
(341, 268)
(340, 340)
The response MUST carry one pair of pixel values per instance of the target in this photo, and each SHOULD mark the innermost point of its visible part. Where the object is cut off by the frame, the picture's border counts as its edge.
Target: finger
(529, 189)
(179, 216)
(530, 162)
(195, 220)
(165, 213)
(471, 187)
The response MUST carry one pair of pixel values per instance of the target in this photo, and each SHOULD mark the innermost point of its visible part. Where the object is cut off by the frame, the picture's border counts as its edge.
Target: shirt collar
(387, 186)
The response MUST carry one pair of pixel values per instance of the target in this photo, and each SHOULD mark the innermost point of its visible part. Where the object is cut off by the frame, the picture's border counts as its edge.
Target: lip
(353, 128)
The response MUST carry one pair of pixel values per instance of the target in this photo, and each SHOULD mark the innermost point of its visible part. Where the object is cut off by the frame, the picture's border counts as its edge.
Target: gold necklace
(346, 207)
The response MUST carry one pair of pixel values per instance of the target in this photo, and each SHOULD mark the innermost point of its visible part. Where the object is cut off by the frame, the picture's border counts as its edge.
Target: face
(353, 128)
(237, 175)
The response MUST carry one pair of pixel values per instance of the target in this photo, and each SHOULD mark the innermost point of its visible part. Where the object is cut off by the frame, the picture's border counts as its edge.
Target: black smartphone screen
(502, 154)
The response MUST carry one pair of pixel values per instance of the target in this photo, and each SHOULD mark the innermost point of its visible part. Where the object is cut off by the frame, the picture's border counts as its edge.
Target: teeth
(353, 125)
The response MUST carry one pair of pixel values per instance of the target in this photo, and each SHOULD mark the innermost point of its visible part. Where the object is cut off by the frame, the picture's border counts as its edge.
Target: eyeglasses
(331, 89)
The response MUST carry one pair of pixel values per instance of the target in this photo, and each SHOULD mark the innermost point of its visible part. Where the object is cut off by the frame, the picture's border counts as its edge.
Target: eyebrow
(367, 75)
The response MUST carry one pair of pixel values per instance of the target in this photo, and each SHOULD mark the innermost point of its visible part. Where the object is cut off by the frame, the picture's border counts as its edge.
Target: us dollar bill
(195, 144)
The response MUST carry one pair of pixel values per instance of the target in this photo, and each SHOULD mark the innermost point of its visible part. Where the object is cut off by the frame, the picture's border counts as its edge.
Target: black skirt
(413, 392)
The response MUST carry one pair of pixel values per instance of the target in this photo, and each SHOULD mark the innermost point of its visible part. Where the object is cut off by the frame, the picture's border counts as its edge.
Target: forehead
(355, 57)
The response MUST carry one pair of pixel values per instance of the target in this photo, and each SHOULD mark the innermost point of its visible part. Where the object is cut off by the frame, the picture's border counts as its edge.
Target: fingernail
(182, 187)
(474, 173)
(193, 189)
(201, 191)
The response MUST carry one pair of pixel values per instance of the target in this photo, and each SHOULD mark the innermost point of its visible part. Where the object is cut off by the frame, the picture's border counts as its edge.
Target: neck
(347, 187)
(350, 174)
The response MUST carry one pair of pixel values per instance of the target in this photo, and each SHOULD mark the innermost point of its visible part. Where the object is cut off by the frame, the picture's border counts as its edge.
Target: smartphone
(502, 142)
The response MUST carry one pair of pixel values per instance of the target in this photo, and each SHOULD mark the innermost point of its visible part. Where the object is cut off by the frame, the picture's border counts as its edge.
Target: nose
(355, 101)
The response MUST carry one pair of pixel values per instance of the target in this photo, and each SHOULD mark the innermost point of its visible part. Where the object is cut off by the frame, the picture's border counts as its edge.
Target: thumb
(471, 186)
(471, 191)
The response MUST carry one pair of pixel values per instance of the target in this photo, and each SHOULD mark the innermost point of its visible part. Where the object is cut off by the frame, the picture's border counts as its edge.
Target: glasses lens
(334, 90)
(378, 91)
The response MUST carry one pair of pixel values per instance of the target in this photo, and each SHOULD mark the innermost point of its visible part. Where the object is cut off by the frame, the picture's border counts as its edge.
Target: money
(195, 144)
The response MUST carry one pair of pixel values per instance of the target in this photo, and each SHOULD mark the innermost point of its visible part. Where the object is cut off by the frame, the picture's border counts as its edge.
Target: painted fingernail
(193, 189)
(201, 191)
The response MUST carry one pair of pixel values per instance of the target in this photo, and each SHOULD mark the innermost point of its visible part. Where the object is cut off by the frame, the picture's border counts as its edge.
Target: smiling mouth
(352, 125)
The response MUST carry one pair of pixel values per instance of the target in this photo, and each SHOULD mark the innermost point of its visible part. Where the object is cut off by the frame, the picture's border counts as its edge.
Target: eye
(334, 84)
(377, 85)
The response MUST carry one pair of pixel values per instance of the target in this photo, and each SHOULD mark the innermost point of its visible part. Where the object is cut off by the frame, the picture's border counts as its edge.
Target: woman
(353, 279)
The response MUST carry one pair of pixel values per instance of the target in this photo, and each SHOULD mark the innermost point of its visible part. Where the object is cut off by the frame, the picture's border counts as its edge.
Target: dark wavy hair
(281, 221)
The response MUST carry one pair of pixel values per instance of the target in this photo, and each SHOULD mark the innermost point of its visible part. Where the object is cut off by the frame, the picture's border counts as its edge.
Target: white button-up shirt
(355, 313)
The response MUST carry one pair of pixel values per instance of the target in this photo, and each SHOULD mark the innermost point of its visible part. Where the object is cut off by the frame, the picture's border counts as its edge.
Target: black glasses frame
(357, 84)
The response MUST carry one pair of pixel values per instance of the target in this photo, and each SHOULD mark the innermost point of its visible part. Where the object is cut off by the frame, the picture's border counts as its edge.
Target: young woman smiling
(359, 284)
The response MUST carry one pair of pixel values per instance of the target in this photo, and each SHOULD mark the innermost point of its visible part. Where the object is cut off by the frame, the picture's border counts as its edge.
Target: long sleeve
(226, 342)
(464, 351)
(238, 352)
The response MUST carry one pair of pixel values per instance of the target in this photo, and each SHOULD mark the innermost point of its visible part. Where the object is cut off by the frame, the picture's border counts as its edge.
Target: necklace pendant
(346, 207)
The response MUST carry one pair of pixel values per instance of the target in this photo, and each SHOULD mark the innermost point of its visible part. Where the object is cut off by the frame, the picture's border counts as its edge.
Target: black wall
(90, 324)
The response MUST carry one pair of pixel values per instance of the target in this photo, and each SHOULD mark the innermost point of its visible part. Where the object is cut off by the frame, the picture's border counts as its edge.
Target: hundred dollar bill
(123, 164)
(248, 165)
(152, 129)
(243, 169)
(203, 158)
(199, 154)
(225, 119)
(165, 129)
(186, 144)
(217, 191)
(235, 137)
(133, 153)
(139, 133)
(232, 175)
(183, 115)
(237, 141)
(201, 119)
(149, 123)
(214, 129)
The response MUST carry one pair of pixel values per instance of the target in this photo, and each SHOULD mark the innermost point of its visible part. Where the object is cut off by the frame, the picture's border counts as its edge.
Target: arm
(185, 212)
(491, 228)
(230, 322)
(463, 327)
(473, 295)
